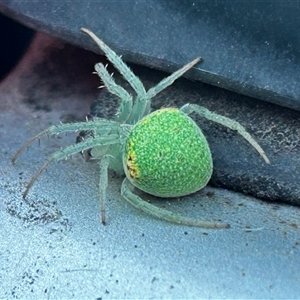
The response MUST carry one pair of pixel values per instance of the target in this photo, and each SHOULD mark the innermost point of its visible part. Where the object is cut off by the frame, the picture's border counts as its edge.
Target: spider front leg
(117, 61)
(227, 122)
(170, 79)
(142, 105)
(139, 203)
(126, 99)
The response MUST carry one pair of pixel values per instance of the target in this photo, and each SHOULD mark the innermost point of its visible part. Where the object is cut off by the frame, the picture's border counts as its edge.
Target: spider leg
(104, 163)
(101, 125)
(142, 104)
(126, 99)
(170, 79)
(70, 150)
(116, 60)
(138, 110)
(161, 213)
(204, 112)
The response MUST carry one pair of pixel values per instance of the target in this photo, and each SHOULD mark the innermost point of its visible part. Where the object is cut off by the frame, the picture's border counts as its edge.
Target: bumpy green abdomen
(167, 155)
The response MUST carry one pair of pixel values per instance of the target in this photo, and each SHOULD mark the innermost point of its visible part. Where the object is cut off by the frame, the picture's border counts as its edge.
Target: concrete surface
(53, 245)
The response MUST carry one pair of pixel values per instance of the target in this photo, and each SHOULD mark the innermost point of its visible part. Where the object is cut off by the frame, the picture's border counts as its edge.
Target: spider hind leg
(160, 213)
(227, 122)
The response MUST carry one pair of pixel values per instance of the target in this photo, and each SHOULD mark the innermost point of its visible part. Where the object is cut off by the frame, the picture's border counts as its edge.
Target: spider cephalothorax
(163, 153)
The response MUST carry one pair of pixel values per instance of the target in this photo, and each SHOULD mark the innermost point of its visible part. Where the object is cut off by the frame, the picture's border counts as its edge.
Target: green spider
(163, 153)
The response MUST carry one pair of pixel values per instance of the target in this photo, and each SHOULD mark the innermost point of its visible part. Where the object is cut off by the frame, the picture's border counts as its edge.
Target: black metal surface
(250, 47)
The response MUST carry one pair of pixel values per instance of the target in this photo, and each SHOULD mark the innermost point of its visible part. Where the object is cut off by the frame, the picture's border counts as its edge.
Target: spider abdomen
(167, 155)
